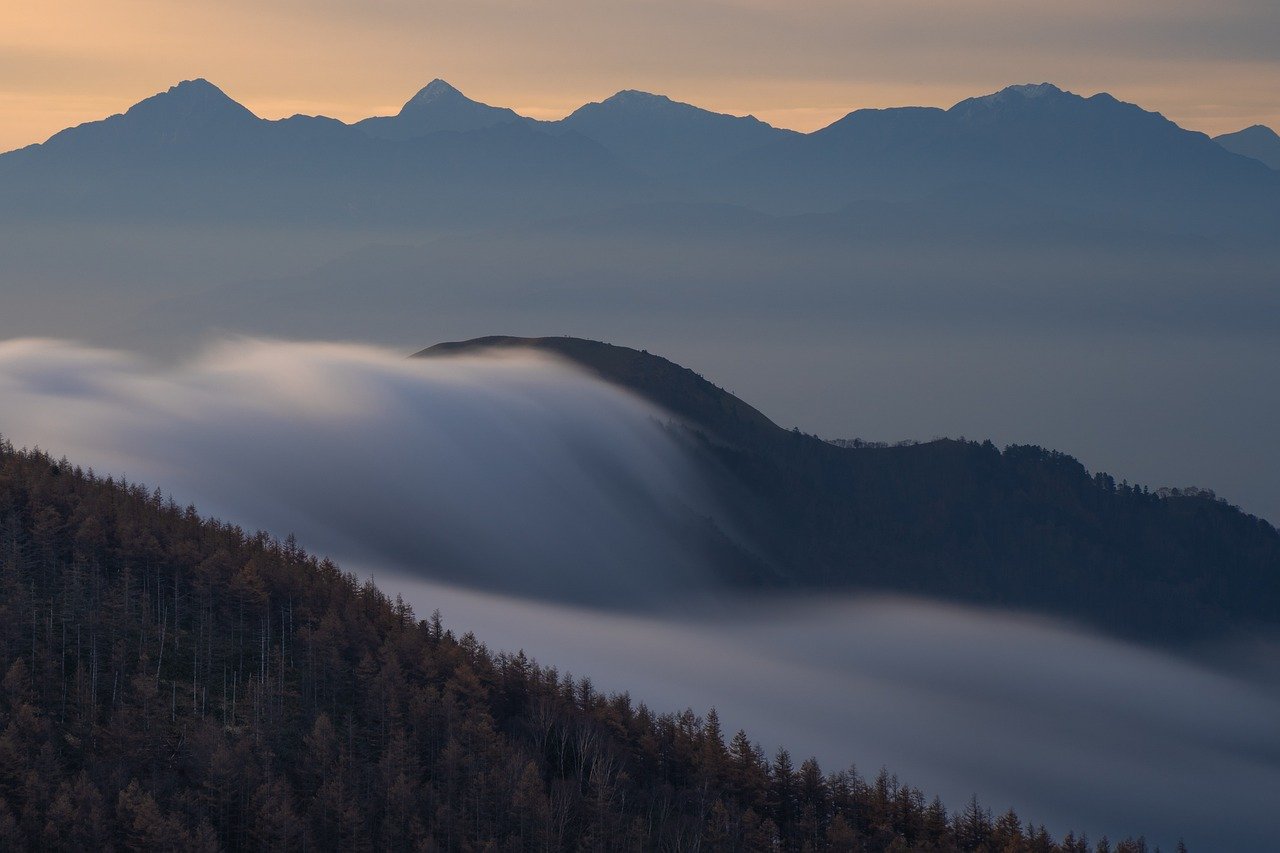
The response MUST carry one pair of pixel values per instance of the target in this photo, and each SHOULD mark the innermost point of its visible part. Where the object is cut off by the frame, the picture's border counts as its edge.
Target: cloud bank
(510, 471)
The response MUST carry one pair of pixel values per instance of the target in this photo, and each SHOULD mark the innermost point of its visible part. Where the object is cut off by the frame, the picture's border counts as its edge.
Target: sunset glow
(1213, 67)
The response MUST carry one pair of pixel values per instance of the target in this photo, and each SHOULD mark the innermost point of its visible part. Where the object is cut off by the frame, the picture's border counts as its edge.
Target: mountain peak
(1030, 90)
(1016, 94)
(197, 98)
(196, 87)
(636, 97)
(437, 106)
(436, 90)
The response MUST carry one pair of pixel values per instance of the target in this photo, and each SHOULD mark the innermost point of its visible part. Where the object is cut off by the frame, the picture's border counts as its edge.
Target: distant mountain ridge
(653, 132)
(1095, 153)
(1258, 142)
(1024, 527)
(194, 152)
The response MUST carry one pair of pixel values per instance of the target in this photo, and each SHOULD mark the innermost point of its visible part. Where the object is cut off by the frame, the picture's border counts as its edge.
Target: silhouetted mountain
(1023, 527)
(192, 113)
(1259, 142)
(654, 133)
(1097, 153)
(193, 154)
(436, 107)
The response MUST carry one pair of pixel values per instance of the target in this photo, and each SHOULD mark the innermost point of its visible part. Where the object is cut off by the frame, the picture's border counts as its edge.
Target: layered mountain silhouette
(1259, 142)
(1114, 159)
(1022, 527)
(193, 152)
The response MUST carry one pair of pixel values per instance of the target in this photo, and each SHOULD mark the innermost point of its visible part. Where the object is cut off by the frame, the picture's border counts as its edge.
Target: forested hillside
(175, 683)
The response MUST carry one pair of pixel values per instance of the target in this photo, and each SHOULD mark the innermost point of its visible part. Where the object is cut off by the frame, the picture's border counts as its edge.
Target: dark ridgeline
(171, 683)
(1023, 528)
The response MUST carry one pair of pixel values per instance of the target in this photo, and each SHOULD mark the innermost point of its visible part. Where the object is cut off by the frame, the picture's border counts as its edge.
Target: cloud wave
(511, 471)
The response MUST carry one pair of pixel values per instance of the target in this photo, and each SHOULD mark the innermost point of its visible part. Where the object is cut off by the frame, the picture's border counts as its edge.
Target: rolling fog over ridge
(514, 471)
(1028, 266)
(925, 272)
(714, 425)
(1045, 706)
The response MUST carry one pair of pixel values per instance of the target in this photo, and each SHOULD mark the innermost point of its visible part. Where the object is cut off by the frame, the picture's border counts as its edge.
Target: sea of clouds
(546, 510)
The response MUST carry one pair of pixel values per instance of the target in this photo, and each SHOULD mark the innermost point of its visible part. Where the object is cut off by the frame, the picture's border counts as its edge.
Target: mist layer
(511, 472)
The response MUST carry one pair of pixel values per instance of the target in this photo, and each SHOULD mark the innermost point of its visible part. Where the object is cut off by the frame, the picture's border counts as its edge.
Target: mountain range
(1023, 527)
(193, 152)
(985, 256)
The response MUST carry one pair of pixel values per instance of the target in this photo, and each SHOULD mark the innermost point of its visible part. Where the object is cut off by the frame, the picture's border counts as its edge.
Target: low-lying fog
(530, 480)
(1072, 729)
(511, 471)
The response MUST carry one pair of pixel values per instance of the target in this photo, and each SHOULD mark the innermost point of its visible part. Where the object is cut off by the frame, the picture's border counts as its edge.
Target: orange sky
(801, 64)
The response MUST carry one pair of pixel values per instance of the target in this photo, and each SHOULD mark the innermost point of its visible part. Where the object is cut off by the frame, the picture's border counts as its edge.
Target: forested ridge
(1021, 527)
(177, 683)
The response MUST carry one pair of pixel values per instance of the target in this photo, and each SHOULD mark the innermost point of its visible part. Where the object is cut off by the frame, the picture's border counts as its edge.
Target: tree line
(177, 683)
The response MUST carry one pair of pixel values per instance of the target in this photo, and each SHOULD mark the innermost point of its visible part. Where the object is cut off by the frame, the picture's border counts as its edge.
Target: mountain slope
(1259, 142)
(193, 112)
(438, 106)
(1023, 527)
(208, 689)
